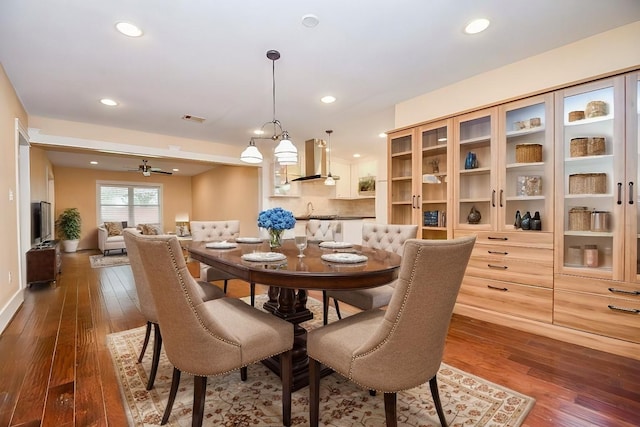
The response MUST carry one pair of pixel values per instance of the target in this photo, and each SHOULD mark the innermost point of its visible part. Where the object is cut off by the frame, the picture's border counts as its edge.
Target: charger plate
(221, 245)
(344, 258)
(335, 245)
(264, 256)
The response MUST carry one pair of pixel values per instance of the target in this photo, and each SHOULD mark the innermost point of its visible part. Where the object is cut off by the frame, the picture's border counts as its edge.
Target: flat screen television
(40, 222)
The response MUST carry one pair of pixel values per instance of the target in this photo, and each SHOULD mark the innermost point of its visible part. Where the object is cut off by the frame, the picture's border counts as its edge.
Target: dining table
(325, 266)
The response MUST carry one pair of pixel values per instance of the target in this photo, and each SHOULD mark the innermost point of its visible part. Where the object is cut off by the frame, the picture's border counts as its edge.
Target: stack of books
(435, 219)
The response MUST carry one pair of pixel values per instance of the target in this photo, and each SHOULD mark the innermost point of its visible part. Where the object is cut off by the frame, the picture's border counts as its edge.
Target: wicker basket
(576, 115)
(596, 146)
(596, 109)
(588, 183)
(579, 219)
(528, 153)
(578, 147)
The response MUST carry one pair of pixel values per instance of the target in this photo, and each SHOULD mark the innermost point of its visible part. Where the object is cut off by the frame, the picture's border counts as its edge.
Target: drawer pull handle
(497, 288)
(498, 252)
(500, 267)
(622, 291)
(497, 238)
(626, 310)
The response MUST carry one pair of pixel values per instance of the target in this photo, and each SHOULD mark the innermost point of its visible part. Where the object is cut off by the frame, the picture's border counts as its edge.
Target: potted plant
(68, 229)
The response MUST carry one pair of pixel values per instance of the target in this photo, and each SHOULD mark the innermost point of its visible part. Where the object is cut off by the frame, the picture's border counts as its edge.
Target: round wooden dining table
(290, 277)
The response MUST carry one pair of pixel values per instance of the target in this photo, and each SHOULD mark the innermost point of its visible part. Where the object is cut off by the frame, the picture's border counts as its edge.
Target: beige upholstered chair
(390, 237)
(211, 231)
(147, 307)
(212, 337)
(401, 347)
(321, 231)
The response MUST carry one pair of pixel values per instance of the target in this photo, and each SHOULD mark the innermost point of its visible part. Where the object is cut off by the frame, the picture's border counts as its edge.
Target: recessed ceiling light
(258, 131)
(175, 170)
(382, 135)
(108, 102)
(356, 155)
(476, 26)
(128, 29)
(310, 20)
(93, 162)
(328, 99)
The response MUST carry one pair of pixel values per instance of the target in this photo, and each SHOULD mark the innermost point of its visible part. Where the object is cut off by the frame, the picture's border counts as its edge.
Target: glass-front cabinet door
(475, 164)
(526, 176)
(590, 180)
(402, 196)
(433, 181)
(632, 199)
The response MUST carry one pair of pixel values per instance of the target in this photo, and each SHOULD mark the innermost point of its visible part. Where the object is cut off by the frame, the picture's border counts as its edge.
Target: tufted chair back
(390, 237)
(321, 231)
(208, 231)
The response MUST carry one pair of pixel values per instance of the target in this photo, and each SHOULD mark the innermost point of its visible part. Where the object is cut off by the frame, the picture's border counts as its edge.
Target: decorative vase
(275, 238)
(518, 223)
(536, 222)
(474, 216)
(471, 162)
(526, 221)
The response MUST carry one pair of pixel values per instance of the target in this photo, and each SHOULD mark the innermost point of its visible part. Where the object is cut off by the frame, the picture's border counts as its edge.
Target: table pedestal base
(292, 307)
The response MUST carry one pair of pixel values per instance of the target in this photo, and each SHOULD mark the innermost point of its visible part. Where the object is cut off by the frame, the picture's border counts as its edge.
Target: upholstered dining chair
(147, 307)
(321, 231)
(390, 237)
(401, 347)
(209, 338)
(211, 231)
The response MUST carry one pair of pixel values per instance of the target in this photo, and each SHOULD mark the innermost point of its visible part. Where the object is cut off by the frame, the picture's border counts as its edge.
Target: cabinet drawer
(529, 266)
(519, 300)
(537, 239)
(610, 316)
(606, 288)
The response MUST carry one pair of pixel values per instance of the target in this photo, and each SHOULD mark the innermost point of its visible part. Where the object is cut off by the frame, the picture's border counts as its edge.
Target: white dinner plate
(248, 240)
(335, 245)
(344, 258)
(264, 256)
(221, 245)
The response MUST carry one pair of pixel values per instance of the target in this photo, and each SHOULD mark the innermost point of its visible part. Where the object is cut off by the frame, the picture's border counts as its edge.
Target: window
(136, 204)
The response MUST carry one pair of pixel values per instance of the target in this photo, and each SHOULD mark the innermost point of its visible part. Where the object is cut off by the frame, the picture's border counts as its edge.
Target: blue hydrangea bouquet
(276, 220)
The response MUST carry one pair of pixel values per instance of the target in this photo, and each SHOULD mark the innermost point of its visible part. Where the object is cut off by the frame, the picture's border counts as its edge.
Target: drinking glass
(301, 243)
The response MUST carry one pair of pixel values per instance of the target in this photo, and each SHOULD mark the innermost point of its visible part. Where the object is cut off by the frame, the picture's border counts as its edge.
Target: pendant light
(285, 152)
(329, 180)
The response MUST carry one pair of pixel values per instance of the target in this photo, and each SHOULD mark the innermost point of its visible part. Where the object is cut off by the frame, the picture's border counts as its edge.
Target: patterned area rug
(467, 400)
(100, 261)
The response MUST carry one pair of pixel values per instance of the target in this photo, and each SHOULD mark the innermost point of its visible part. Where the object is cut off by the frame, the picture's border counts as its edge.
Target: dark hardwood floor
(55, 368)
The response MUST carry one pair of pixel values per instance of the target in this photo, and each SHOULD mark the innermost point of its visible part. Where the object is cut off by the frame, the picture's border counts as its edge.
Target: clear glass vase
(275, 238)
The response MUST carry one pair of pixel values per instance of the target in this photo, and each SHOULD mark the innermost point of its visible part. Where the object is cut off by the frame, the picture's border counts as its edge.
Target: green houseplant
(68, 227)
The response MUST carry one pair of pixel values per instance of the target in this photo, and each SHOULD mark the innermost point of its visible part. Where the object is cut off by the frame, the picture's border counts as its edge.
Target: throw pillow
(149, 229)
(113, 228)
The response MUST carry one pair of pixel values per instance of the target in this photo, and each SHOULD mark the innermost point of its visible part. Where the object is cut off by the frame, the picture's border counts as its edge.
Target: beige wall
(76, 187)
(228, 192)
(41, 173)
(604, 53)
(10, 109)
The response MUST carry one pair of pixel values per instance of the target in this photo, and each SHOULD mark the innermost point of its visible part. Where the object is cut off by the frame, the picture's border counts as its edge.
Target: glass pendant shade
(285, 149)
(329, 180)
(288, 160)
(251, 154)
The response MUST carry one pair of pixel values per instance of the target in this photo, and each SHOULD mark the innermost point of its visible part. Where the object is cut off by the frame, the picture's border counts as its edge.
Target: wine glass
(301, 243)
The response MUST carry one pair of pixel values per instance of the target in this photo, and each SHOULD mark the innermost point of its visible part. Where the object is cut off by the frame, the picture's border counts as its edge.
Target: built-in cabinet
(549, 185)
(597, 287)
(419, 180)
(350, 184)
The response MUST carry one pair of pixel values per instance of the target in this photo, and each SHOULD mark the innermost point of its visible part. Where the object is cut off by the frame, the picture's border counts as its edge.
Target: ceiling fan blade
(154, 170)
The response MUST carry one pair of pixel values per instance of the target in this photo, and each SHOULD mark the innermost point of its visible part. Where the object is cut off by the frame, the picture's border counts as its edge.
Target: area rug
(467, 400)
(100, 261)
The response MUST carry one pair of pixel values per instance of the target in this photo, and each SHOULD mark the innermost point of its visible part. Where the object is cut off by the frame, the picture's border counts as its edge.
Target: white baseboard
(10, 308)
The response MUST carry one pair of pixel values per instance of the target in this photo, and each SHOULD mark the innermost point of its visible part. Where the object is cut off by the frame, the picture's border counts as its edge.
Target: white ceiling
(207, 58)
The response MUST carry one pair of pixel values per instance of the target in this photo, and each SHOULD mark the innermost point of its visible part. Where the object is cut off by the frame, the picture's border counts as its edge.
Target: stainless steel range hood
(315, 160)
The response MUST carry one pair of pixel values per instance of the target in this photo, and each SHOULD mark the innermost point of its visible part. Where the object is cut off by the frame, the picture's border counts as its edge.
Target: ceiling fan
(147, 170)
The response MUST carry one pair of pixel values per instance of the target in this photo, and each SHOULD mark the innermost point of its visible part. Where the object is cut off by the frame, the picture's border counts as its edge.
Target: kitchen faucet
(309, 208)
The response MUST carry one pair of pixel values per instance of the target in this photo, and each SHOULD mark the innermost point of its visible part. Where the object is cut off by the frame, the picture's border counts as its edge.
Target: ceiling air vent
(195, 119)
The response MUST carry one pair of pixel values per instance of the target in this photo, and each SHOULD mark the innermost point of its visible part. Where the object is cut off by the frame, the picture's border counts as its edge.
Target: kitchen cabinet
(597, 286)
(419, 180)
(343, 185)
(350, 174)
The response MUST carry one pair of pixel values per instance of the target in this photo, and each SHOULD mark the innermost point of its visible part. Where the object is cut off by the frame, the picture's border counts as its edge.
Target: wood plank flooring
(55, 367)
